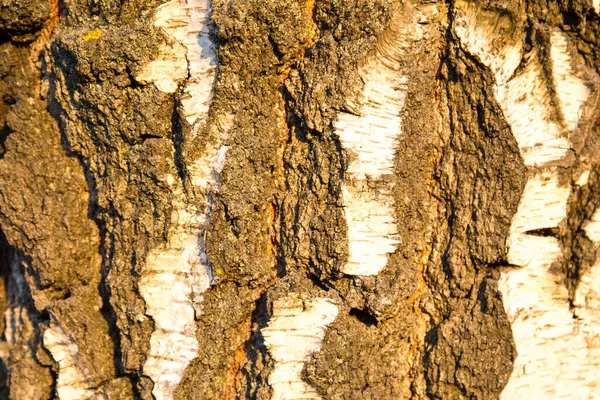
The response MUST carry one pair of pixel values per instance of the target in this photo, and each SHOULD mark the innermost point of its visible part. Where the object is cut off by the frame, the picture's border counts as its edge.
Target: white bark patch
(296, 331)
(543, 205)
(525, 101)
(191, 55)
(371, 141)
(21, 327)
(175, 278)
(176, 275)
(502, 61)
(587, 295)
(584, 178)
(166, 287)
(596, 4)
(558, 355)
(372, 231)
(71, 383)
(572, 92)
(525, 98)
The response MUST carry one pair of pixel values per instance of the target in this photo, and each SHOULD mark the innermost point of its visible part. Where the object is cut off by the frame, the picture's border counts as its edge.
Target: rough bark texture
(292, 199)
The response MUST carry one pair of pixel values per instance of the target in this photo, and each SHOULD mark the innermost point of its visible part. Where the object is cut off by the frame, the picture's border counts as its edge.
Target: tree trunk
(299, 199)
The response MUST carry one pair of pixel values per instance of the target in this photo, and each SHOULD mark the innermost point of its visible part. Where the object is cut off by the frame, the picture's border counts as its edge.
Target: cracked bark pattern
(118, 160)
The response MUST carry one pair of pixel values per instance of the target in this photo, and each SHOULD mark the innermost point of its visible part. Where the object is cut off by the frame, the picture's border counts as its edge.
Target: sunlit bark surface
(307, 199)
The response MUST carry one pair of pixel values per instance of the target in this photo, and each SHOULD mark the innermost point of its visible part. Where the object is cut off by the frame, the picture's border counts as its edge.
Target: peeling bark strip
(72, 381)
(296, 331)
(371, 140)
(192, 54)
(175, 277)
(557, 353)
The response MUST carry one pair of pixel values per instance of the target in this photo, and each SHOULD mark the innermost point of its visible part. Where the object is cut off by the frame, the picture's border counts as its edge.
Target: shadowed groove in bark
(256, 351)
(6, 256)
(94, 211)
(104, 214)
(4, 133)
(21, 328)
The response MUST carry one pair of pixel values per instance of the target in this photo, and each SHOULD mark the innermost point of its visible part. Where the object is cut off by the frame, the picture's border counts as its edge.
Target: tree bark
(299, 199)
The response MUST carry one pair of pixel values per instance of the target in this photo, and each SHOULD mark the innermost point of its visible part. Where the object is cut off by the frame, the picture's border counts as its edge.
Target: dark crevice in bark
(5, 37)
(54, 374)
(319, 282)
(139, 387)
(256, 351)
(4, 134)
(364, 316)
(109, 314)
(545, 232)
(275, 48)
(178, 141)
(107, 310)
(6, 256)
(146, 136)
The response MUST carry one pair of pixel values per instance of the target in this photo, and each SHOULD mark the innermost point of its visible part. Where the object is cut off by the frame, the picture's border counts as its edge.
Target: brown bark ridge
(336, 199)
